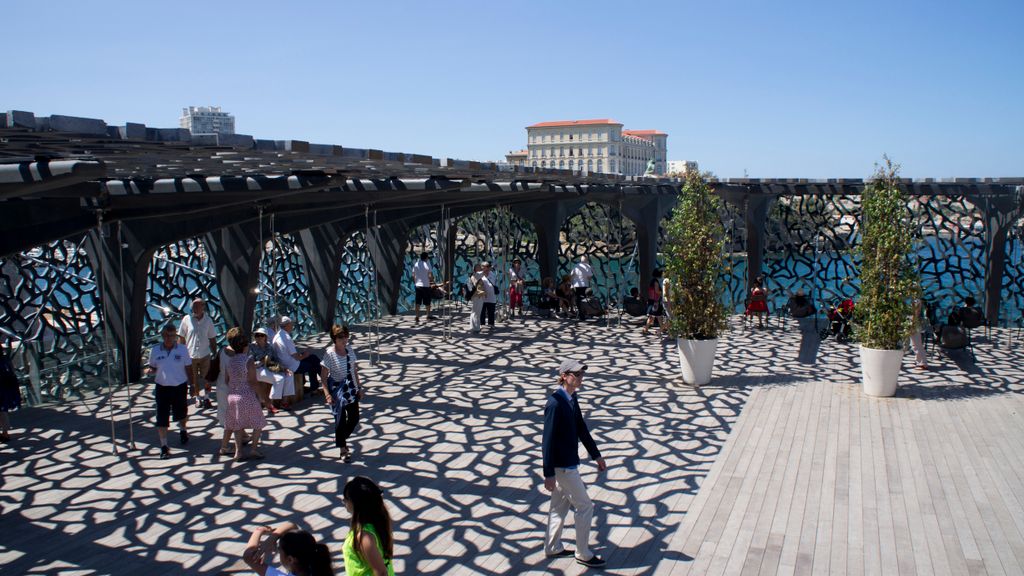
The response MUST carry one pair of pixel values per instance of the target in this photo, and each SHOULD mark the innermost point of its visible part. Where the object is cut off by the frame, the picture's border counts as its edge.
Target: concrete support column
(322, 249)
(235, 252)
(124, 261)
(448, 266)
(647, 212)
(1001, 211)
(756, 217)
(387, 244)
(547, 219)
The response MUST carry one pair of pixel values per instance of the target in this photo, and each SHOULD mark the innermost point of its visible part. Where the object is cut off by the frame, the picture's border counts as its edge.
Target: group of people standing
(482, 290)
(254, 377)
(252, 374)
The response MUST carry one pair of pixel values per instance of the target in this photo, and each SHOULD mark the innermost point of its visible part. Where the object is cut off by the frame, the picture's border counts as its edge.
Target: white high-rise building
(207, 120)
(682, 167)
(599, 145)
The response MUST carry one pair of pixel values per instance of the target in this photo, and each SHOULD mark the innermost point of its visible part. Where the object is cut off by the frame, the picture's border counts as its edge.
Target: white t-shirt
(170, 364)
(581, 274)
(514, 276)
(285, 347)
(197, 334)
(490, 297)
(421, 274)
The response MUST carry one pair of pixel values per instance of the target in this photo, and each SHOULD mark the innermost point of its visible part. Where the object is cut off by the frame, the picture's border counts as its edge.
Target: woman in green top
(369, 547)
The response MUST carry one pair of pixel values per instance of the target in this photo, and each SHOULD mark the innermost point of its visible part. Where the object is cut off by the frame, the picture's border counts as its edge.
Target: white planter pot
(696, 359)
(880, 369)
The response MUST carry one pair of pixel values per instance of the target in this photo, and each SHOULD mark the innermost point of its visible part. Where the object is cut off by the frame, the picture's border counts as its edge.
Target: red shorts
(515, 298)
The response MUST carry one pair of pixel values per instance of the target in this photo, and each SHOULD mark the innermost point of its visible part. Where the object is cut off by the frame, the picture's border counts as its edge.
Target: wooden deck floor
(812, 478)
(817, 478)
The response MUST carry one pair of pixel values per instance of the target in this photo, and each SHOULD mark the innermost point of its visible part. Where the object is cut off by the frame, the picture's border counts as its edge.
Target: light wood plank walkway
(812, 478)
(819, 479)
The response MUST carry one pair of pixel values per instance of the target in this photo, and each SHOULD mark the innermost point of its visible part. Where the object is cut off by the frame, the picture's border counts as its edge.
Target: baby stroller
(840, 314)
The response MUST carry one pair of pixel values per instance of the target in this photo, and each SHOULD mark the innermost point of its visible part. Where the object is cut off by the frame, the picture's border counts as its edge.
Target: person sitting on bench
(632, 304)
(799, 306)
(548, 299)
(969, 315)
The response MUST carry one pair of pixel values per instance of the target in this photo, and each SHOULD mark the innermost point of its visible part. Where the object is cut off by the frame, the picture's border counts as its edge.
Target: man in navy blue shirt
(564, 429)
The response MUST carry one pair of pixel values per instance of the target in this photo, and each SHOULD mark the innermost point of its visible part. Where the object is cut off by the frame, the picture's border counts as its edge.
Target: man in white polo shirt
(196, 331)
(171, 363)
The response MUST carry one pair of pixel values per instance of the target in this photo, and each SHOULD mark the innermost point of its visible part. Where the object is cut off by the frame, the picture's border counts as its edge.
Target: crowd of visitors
(254, 376)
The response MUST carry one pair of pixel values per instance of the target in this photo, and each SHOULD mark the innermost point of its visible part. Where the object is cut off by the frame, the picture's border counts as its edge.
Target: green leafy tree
(889, 282)
(695, 263)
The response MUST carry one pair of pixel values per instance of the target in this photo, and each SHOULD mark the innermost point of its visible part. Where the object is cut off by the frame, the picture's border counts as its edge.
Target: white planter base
(696, 360)
(880, 370)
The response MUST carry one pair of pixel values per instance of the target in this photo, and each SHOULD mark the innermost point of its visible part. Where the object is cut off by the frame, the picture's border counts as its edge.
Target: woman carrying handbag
(342, 389)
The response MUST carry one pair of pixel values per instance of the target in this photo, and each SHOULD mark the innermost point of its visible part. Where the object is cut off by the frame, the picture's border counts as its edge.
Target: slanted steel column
(235, 252)
(1002, 207)
(322, 249)
(126, 267)
(387, 244)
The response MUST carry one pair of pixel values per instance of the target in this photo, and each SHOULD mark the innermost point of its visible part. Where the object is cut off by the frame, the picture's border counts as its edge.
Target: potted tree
(888, 281)
(694, 266)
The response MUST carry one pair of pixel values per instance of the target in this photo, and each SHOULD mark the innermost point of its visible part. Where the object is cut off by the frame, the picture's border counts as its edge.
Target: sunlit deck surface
(781, 465)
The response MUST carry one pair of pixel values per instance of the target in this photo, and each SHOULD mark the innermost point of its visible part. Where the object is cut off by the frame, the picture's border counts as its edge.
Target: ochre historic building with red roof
(596, 145)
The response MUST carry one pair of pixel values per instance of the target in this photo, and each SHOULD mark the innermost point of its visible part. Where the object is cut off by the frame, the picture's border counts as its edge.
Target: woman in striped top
(339, 379)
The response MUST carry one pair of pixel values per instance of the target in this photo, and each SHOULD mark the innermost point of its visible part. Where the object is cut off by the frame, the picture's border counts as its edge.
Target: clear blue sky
(774, 89)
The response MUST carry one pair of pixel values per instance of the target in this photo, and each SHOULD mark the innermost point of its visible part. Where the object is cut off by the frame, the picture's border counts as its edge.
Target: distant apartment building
(600, 145)
(207, 120)
(517, 158)
(682, 167)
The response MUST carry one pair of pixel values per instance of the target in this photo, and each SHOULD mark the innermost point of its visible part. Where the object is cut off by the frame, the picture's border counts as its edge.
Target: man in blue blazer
(564, 429)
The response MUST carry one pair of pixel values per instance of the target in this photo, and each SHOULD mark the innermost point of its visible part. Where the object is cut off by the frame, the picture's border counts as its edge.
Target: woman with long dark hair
(339, 379)
(369, 547)
(297, 550)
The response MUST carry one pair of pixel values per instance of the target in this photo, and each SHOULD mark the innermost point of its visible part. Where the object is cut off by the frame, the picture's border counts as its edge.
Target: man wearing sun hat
(564, 429)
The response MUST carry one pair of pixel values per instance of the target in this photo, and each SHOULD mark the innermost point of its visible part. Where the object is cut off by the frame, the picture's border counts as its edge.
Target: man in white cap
(196, 332)
(292, 359)
(564, 429)
(171, 365)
